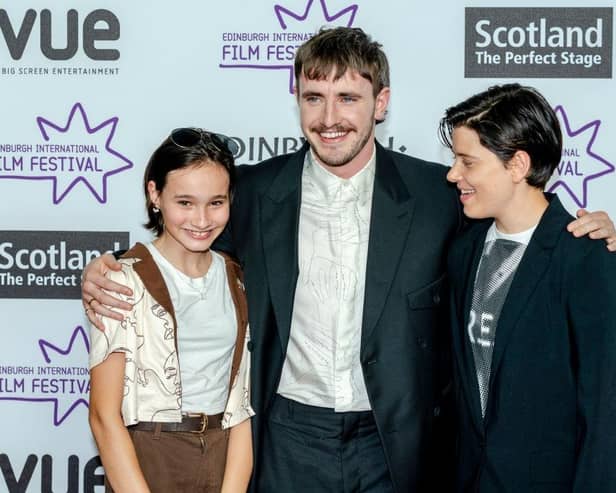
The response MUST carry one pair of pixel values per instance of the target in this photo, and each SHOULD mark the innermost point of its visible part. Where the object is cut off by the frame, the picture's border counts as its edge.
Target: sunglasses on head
(190, 137)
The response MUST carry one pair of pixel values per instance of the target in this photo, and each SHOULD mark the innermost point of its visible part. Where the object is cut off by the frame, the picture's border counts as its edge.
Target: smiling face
(486, 184)
(194, 204)
(338, 119)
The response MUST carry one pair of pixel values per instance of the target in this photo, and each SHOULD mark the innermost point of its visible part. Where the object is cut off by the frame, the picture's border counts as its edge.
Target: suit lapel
(279, 217)
(392, 210)
(531, 270)
(464, 296)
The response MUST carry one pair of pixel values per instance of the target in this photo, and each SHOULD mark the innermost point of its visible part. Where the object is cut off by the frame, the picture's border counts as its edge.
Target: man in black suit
(343, 248)
(343, 253)
(533, 310)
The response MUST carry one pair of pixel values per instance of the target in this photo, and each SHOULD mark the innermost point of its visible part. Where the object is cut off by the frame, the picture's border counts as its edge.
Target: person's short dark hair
(510, 118)
(169, 157)
(342, 49)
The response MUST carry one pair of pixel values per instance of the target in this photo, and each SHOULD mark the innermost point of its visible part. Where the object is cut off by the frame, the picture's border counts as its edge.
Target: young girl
(171, 380)
(533, 318)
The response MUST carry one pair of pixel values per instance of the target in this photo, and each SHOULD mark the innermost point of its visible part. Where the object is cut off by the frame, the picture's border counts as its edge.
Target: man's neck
(352, 168)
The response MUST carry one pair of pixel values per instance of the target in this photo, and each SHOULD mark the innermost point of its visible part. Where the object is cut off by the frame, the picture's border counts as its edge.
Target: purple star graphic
(345, 17)
(576, 187)
(60, 414)
(281, 12)
(79, 331)
(100, 193)
(71, 167)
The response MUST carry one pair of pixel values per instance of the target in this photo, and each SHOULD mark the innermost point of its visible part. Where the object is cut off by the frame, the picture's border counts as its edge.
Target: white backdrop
(88, 89)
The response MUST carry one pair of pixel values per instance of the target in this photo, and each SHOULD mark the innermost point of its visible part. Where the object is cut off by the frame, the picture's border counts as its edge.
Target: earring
(155, 210)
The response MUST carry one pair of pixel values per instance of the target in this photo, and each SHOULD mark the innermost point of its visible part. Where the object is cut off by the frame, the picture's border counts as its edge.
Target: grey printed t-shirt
(499, 260)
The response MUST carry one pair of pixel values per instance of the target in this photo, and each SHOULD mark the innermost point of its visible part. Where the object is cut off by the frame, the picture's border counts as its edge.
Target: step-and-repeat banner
(88, 89)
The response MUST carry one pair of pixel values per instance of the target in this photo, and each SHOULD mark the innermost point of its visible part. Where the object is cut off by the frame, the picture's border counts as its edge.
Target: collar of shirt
(329, 186)
(521, 237)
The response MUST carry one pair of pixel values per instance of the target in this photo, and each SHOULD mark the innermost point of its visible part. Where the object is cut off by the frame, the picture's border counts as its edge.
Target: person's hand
(96, 302)
(597, 225)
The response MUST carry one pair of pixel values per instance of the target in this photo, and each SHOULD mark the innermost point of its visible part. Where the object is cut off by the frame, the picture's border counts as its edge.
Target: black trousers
(309, 449)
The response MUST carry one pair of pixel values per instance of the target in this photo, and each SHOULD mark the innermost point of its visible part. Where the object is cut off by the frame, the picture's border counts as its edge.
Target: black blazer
(550, 423)
(404, 334)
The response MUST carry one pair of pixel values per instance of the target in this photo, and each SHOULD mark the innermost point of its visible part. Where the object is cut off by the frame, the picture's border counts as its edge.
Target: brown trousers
(181, 462)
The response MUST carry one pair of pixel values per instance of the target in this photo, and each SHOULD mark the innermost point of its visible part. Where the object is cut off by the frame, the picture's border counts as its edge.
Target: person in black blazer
(533, 310)
(365, 405)
(404, 339)
(403, 330)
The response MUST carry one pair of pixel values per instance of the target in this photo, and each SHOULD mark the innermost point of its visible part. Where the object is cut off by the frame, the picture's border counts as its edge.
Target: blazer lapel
(463, 293)
(392, 210)
(279, 217)
(532, 268)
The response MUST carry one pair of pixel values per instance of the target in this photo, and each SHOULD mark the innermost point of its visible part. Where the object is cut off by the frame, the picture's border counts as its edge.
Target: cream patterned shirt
(152, 383)
(322, 366)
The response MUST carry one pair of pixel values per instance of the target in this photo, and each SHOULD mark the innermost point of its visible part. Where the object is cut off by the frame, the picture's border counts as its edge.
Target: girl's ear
(519, 166)
(153, 193)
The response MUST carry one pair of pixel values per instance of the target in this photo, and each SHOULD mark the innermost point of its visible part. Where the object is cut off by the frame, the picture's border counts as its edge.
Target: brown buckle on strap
(202, 417)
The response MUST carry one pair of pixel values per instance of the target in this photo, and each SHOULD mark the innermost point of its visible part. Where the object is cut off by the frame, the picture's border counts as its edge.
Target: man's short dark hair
(342, 49)
(510, 118)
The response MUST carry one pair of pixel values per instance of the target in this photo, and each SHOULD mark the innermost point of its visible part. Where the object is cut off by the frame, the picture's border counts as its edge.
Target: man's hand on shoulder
(597, 225)
(96, 301)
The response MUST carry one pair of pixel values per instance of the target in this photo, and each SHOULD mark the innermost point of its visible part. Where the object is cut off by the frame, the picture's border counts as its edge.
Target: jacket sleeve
(591, 312)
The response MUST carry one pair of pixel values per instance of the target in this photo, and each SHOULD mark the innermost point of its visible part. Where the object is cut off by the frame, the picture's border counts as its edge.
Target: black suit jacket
(551, 413)
(404, 333)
